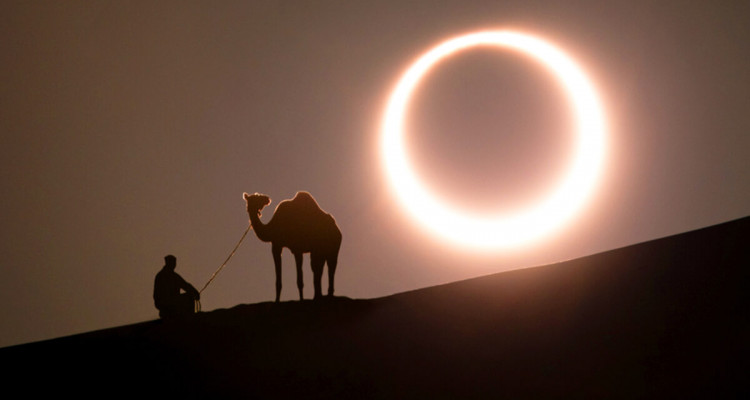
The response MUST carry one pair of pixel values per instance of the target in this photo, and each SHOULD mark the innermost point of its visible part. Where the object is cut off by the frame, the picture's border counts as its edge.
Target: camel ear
(245, 196)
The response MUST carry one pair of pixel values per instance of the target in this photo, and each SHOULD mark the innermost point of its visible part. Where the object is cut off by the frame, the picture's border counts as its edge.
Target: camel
(302, 226)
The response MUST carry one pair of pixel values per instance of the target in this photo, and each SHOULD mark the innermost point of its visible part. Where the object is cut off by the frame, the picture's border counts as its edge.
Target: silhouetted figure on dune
(300, 225)
(167, 297)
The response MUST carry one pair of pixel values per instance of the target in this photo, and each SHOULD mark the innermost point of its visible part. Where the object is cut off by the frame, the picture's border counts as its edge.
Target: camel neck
(261, 229)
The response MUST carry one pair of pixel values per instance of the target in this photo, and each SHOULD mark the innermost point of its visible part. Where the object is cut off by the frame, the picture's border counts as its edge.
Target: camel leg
(333, 260)
(298, 259)
(276, 250)
(317, 262)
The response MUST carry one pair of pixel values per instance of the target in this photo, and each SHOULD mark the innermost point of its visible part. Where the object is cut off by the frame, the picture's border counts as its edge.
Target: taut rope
(249, 226)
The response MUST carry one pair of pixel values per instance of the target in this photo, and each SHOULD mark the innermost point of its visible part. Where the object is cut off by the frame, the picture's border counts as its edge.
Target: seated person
(167, 296)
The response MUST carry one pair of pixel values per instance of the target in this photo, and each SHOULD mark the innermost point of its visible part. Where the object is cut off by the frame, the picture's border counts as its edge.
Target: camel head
(256, 202)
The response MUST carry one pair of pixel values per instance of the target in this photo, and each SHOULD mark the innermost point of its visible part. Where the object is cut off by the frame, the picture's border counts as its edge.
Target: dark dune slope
(666, 318)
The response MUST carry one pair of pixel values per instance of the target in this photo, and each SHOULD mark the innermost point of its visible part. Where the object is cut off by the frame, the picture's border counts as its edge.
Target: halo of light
(500, 230)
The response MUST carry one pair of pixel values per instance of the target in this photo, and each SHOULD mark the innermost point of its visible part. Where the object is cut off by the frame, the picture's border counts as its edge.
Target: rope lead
(227, 260)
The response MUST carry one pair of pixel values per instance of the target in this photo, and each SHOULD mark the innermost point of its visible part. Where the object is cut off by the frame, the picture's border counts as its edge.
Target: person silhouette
(167, 297)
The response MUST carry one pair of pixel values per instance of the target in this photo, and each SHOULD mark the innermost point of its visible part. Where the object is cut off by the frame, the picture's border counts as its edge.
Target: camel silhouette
(303, 227)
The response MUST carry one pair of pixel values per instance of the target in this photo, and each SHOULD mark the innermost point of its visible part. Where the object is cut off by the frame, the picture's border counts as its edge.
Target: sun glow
(501, 230)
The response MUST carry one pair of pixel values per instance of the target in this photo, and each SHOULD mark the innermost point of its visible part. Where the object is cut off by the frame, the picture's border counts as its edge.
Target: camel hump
(302, 207)
(305, 201)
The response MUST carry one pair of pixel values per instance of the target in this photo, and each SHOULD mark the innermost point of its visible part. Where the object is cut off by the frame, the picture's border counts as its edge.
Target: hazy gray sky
(131, 129)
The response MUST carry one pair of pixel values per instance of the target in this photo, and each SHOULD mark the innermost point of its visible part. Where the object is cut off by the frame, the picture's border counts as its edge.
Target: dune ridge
(664, 318)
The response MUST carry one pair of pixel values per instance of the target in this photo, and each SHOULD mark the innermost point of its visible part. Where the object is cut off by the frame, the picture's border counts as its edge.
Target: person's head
(170, 261)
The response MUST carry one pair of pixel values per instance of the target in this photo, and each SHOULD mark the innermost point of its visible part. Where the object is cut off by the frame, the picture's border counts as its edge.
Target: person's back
(167, 297)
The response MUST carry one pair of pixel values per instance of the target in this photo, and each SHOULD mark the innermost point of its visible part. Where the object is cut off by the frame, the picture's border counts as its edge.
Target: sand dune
(665, 318)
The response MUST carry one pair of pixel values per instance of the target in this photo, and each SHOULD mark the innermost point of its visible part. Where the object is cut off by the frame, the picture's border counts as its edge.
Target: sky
(130, 130)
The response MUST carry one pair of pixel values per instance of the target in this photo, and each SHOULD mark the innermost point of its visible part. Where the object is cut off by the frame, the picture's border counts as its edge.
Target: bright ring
(500, 230)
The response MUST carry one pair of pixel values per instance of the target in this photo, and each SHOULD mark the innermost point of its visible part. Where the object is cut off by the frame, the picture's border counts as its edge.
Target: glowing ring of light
(501, 230)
